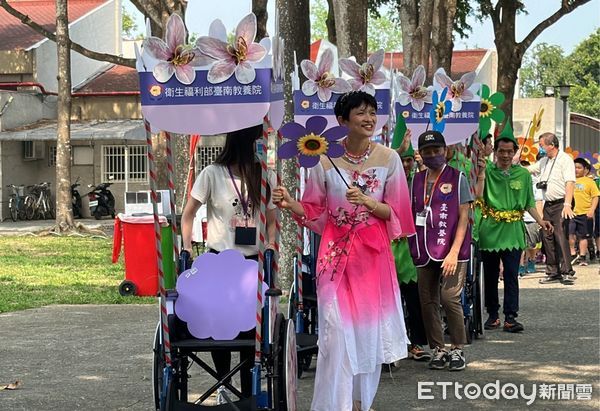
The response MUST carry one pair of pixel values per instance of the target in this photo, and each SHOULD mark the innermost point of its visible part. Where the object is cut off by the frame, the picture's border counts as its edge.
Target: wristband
(372, 210)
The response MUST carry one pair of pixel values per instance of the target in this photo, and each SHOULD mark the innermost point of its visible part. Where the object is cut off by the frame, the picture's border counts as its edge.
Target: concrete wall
(106, 108)
(488, 70)
(525, 108)
(16, 170)
(25, 108)
(16, 62)
(98, 31)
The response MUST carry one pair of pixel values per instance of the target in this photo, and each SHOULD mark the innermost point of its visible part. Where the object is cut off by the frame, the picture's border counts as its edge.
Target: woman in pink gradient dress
(361, 324)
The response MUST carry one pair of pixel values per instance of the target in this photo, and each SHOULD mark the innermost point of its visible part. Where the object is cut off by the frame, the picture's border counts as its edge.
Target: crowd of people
(375, 254)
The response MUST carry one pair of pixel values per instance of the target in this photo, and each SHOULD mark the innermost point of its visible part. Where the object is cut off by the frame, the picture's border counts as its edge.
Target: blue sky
(567, 32)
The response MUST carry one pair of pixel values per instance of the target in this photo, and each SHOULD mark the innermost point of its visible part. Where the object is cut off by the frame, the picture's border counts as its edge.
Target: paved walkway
(9, 227)
(100, 357)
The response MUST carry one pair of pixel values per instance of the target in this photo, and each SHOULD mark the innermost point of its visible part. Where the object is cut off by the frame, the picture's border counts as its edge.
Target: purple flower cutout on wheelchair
(217, 296)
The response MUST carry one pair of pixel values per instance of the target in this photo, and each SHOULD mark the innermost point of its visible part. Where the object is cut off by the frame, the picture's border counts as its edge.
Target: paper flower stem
(338, 171)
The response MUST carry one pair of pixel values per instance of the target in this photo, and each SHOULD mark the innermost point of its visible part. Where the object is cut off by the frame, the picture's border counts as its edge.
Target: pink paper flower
(175, 56)
(413, 91)
(320, 78)
(235, 57)
(457, 90)
(366, 76)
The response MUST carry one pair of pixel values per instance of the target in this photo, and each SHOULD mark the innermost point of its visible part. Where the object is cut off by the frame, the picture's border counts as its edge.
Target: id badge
(245, 235)
(421, 218)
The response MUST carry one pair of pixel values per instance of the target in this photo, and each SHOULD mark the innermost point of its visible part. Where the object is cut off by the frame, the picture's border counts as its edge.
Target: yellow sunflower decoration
(312, 145)
(529, 151)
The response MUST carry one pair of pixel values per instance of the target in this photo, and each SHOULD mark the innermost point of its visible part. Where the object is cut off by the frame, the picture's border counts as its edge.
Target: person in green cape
(504, 192)
(405, 268)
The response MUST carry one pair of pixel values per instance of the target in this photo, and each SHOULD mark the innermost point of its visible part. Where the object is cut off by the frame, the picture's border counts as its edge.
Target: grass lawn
(38, 271)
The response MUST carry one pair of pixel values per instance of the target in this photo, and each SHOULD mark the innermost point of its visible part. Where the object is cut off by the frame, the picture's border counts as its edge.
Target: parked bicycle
(16, 203)
(38, 203)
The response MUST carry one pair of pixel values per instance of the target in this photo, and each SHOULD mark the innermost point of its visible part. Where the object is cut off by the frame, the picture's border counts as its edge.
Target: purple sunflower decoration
(311, 141)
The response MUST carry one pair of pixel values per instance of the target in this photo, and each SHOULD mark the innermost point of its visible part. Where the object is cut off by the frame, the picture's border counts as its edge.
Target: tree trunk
(408, 10)
(330, 22)
(259, 8)
(425, 22)
(294, 27)
(441, 34)
(64, 208)
(351, 28)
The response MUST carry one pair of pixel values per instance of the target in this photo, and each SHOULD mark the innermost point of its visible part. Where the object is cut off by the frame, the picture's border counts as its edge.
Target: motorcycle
(76, 199)
(101, 201)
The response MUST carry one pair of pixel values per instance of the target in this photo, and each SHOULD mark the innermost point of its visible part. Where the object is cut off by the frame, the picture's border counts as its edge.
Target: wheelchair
(302, 307)
(273, 376)
(472, 296)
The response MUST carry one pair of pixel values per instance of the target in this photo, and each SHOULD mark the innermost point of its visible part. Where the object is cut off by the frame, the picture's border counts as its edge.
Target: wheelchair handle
(185, 261)
(270, 274)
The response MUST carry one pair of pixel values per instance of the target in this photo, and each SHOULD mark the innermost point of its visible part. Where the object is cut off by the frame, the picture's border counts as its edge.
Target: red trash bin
(136, 233)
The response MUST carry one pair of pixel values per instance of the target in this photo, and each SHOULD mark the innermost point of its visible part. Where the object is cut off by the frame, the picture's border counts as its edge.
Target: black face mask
(435, 162)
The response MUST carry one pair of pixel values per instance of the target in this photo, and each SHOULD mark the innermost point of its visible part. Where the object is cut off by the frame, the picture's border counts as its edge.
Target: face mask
(435, 162)
(542, 151)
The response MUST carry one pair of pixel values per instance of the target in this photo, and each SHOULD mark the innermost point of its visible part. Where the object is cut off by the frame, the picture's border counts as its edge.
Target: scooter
(101, 201)
(76, 199)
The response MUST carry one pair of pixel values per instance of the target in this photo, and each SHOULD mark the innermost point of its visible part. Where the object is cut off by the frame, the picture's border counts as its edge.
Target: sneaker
(568, 278)
(522, 270)
(512, 326)
(582, 261)
(224, 396)
(417, 353)
(439, 360)
(457, 360)
(551, 279)
(530, 267)
(492, 324)
(575, 259)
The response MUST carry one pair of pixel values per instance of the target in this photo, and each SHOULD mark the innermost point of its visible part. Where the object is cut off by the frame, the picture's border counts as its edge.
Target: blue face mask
(542, 151)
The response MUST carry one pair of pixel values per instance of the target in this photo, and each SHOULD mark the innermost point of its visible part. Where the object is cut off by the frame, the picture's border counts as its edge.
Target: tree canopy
(547, 65)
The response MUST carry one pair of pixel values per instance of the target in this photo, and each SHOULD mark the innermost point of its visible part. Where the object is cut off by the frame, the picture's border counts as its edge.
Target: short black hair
(583, 162)
(353, 99)
(508, 140)
(525, 163)
(483, 140)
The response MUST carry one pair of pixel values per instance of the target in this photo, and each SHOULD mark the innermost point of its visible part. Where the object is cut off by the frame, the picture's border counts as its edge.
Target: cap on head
(584, 163)
(431, 138)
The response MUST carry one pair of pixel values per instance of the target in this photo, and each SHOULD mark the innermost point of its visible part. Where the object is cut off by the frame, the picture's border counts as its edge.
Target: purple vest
(433, 242)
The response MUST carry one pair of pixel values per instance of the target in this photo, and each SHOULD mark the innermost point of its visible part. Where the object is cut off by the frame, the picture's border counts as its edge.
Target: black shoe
(569, 278)
(511, 325)
(575, 258)
(439, 360)
(492, 323)
(457, 360)
(551, 279)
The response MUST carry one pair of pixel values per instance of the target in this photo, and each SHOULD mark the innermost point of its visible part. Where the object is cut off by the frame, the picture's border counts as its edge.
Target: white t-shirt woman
(215, 188)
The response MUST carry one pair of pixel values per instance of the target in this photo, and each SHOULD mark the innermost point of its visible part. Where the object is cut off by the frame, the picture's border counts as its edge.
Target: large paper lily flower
(175, 56)
(310, 142)
(440, 107)
(366, 76)
(528, 149)
(320, 78)
(489, 109)
(235, 57)
(458, 91)
(413, 91)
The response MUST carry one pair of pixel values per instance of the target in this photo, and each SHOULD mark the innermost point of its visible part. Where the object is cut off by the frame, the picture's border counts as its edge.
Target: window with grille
(206, 155)
(114, 159)
(51, 156)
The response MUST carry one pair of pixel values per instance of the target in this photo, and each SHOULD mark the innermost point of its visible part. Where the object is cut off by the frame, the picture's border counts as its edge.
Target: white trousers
(335, 386)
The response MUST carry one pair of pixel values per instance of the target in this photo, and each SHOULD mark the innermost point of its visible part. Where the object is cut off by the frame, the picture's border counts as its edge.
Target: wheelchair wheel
(158, 365)
(285, 364)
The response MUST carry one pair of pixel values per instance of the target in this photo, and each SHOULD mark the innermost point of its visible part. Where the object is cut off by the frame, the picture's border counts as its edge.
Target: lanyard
(243, 200)
(551, 167)
(427, 196)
